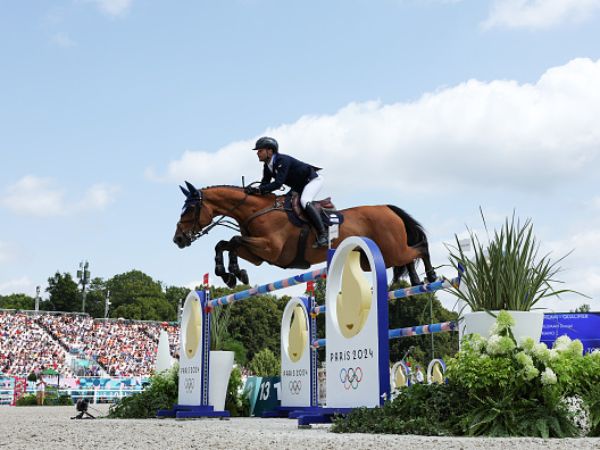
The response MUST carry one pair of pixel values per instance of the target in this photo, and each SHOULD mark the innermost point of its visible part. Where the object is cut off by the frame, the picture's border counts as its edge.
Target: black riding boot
(315, 218)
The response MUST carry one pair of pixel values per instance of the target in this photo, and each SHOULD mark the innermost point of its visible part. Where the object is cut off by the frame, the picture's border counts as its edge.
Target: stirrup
(320, 241)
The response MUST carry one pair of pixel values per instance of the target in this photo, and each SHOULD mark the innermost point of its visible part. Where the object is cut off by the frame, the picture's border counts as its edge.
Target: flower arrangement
(535, 389)
(497, 387)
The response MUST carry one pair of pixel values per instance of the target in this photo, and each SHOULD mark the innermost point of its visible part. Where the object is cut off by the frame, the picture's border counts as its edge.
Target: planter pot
(527, 324)
(221, 364)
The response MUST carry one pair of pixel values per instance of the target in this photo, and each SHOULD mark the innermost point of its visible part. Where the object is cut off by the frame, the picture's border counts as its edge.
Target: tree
(17, 301)
(135, 295)
(174, 294)
(265, 364)
(64, 294)
(96, 298)
(420, 310)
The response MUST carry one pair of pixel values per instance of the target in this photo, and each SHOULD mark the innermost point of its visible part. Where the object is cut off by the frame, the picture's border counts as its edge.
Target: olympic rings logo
(188, 385)
(295, 386)
(350, 377)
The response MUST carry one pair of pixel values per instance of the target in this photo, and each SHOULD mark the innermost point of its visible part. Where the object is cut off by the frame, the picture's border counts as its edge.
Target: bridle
(195, 233)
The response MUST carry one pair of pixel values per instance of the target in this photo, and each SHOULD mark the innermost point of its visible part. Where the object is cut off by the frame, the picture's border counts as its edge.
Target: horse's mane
(231, 186)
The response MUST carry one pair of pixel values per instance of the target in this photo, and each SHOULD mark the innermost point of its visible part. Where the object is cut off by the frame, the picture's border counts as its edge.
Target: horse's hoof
(431, 277)
(220, 271)
(243, 277)
(229, 280)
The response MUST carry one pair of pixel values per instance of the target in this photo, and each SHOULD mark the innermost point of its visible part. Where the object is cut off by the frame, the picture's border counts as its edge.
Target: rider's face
(263, 154)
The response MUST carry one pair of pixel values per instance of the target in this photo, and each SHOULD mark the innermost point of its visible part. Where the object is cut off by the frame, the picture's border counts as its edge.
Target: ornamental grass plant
(506, 273)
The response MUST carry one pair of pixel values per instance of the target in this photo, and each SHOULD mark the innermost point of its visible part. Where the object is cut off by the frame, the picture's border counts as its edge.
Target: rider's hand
(252, 190)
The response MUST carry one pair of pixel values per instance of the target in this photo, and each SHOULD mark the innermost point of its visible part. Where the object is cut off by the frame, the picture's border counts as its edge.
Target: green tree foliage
(64, 294)
(161, 394)
(265, 364)
(17, 301)
(135, 295)
(420, 310)
(96, 298)
(174, 294)
(256, 324)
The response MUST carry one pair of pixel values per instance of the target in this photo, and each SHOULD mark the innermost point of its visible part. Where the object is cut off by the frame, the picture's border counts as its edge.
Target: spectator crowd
(34, 343)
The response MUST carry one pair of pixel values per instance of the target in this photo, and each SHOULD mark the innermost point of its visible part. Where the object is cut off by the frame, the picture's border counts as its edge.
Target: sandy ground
(52, 428)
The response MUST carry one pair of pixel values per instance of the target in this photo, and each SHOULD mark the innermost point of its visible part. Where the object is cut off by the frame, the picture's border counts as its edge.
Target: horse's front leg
(228, 278)
(234, 268)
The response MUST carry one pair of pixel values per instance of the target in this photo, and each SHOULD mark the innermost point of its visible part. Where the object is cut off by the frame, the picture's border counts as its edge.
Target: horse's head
(194, 217)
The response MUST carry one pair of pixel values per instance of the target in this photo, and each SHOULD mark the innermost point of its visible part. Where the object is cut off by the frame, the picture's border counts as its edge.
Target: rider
(299, 176)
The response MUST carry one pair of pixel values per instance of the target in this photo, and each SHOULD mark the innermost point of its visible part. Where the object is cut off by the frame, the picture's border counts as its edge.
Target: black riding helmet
(267, 142)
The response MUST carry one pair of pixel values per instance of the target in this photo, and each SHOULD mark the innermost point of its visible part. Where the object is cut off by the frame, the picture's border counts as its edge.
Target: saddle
(325, 207)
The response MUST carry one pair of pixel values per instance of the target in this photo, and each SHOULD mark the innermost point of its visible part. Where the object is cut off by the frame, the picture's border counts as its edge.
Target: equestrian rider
(299, 176)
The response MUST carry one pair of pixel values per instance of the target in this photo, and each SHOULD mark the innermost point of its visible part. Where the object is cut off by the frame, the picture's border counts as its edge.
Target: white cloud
(539, 13)
(98, 197)
(18, 285)
(476, 134)
(41, 197)
(113, 8)
(62, 40)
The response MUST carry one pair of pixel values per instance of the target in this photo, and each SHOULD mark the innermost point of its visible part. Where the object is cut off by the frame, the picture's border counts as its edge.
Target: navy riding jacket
(289, 171)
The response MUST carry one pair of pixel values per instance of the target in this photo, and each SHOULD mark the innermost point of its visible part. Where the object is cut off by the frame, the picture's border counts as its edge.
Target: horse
(267, 235)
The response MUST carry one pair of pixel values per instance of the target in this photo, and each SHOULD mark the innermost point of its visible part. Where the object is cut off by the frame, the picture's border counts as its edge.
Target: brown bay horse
(266, 234)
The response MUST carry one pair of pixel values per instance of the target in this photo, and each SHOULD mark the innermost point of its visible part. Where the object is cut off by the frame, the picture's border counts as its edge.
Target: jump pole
(194, 399)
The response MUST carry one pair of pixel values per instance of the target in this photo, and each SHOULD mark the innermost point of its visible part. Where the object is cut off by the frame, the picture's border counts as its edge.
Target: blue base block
(189, 411)
(317, 415)
(288, 411)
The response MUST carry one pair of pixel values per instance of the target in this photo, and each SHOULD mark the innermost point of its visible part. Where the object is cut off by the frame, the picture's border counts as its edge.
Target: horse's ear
(191, 188)
(185, 191)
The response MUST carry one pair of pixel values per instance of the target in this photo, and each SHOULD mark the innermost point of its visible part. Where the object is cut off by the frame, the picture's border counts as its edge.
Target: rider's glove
(252, 190)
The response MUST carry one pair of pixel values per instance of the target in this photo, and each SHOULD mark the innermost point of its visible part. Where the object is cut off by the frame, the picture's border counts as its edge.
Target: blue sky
(437, 106)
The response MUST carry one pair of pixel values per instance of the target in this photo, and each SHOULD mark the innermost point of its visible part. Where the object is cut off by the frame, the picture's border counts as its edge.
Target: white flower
(562, 343)
(494, 329)
(580, 414)
(552, 354)
(493, 344)
(540, 351)
(548, 376)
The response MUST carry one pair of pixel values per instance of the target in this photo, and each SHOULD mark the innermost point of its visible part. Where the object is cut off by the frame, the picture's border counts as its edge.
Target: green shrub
(265, 364)
(419, 409)
(58, 400)
(27, 400)
(236, 401)
(160, 394)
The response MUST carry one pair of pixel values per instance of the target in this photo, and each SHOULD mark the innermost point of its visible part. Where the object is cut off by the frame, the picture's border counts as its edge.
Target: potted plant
(505, 274)
(221, 361)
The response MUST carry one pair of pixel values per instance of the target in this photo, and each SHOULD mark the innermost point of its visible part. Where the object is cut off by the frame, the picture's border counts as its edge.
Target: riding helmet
(267, 142)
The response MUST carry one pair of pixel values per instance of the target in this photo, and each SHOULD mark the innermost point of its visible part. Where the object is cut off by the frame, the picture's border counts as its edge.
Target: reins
(223, 221)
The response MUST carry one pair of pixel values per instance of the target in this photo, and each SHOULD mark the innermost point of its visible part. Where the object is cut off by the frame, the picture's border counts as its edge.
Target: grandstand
(75, 344)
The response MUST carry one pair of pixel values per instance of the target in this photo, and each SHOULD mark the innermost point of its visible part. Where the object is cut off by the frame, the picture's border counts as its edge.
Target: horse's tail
(415, 233)
(417, 239)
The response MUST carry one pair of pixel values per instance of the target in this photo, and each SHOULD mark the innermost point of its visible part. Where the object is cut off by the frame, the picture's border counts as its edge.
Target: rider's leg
(309, 193)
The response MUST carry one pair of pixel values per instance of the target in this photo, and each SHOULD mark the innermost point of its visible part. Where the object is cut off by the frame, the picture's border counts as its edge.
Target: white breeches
(311, 190)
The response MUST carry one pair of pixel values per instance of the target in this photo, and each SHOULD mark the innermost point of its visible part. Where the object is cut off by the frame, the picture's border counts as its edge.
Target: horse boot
(315, 217)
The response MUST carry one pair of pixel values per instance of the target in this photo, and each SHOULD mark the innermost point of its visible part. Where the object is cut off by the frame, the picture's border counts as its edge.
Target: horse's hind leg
(400, 271)
(429, 270)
